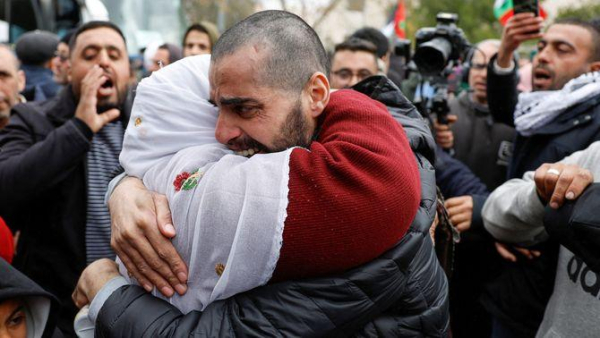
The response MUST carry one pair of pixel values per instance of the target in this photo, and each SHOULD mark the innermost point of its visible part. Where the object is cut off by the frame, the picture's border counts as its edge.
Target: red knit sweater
(353, 195)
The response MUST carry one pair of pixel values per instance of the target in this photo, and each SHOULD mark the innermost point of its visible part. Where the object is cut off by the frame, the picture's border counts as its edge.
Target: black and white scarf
(536, 109)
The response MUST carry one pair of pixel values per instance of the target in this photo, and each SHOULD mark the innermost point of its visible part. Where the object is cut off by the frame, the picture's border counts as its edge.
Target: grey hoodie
(514, 213)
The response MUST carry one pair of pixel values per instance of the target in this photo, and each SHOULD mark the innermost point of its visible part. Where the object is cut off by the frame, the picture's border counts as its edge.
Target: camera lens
(432, 56)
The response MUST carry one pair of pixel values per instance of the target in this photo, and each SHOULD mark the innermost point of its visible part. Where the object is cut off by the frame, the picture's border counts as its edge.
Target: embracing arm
(514, 211)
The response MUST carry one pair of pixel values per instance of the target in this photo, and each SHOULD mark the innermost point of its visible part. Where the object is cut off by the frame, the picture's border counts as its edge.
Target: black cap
(36, 48)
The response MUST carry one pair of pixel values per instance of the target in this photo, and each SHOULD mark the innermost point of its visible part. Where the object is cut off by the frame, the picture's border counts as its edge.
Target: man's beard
(295, 131)
(107, 104)
(4, 113)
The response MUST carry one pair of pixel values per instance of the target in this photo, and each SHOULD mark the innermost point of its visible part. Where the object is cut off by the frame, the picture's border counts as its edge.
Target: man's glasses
(61, 57)
(478, 66)
(345, 74)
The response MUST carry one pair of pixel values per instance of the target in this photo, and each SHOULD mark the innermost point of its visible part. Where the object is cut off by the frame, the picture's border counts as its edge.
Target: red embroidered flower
(180, 179)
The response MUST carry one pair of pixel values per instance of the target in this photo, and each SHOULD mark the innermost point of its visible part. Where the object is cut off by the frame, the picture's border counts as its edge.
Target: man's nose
(226, 130)
(354, 80)
(103, 58)
(543, 56)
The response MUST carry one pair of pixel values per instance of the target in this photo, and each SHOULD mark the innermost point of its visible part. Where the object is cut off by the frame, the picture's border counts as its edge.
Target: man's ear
(318, 91)
(21, 80)
(595, 66)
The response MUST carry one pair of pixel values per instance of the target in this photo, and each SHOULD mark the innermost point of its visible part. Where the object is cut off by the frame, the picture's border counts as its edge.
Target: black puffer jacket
(403, 293)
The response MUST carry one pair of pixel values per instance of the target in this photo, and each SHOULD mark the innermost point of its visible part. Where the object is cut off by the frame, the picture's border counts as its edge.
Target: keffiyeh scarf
(536, 109)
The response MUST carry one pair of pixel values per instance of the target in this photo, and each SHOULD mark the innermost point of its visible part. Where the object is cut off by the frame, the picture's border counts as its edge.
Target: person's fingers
(504, 252)
(551, 179)
(560, 190)
(521, 20)
(460, 218)
(539, 178)
(525, 252)
(108, 116)
(583, 178)
(156, 254)
(16, 239)
(165, 249)
(451, 118)
(454, 201)
(92, 80)
(163, 215)
(79, 298)
(442, 127)
(458, 209)
(463, 226)
(143, 268)
(133, 272)
(531, 36)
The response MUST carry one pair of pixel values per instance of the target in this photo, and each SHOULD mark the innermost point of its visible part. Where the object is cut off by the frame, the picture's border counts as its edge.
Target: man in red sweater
(354, 185)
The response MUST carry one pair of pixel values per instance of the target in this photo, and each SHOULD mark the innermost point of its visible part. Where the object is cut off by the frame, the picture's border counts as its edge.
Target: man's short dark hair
(93, 25)
(356, 45)
(375, 37)
(593, 27)
(294, 49)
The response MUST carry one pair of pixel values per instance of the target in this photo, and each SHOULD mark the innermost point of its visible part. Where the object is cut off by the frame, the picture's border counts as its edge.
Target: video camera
(437, 46)
(438, 50)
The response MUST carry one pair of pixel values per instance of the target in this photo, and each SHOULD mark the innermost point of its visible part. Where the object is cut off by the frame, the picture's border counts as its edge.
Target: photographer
(560, 116)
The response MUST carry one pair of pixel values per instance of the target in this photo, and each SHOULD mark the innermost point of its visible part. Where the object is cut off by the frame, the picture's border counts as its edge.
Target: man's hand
(555, 182)
(443, 134)
(521, 27)
(433, 226)
(86, 109)
(93, 279)
(141, 232)
(506, 253)
(460, 210)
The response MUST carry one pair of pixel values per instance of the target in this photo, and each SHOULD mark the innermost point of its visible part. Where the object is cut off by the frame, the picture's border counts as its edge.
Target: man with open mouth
(55, 163)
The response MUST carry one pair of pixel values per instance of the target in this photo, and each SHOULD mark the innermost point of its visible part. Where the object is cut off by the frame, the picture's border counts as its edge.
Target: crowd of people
(253, 183)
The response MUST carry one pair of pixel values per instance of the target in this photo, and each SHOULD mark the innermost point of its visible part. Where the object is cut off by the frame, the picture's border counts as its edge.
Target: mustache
(247, 143)
(544, 67)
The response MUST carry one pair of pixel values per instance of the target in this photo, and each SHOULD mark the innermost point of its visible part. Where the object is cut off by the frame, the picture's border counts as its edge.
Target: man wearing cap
(35, 50)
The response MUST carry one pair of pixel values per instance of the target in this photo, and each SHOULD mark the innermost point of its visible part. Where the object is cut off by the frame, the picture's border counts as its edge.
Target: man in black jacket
(551, 124)
(403, 292)
(55, 163)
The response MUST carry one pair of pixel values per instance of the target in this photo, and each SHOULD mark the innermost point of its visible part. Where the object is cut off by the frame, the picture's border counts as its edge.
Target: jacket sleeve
(513, 212)
(576, 225)
(352, 195)
(28, 168)
(454, 178)
(502, 93)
